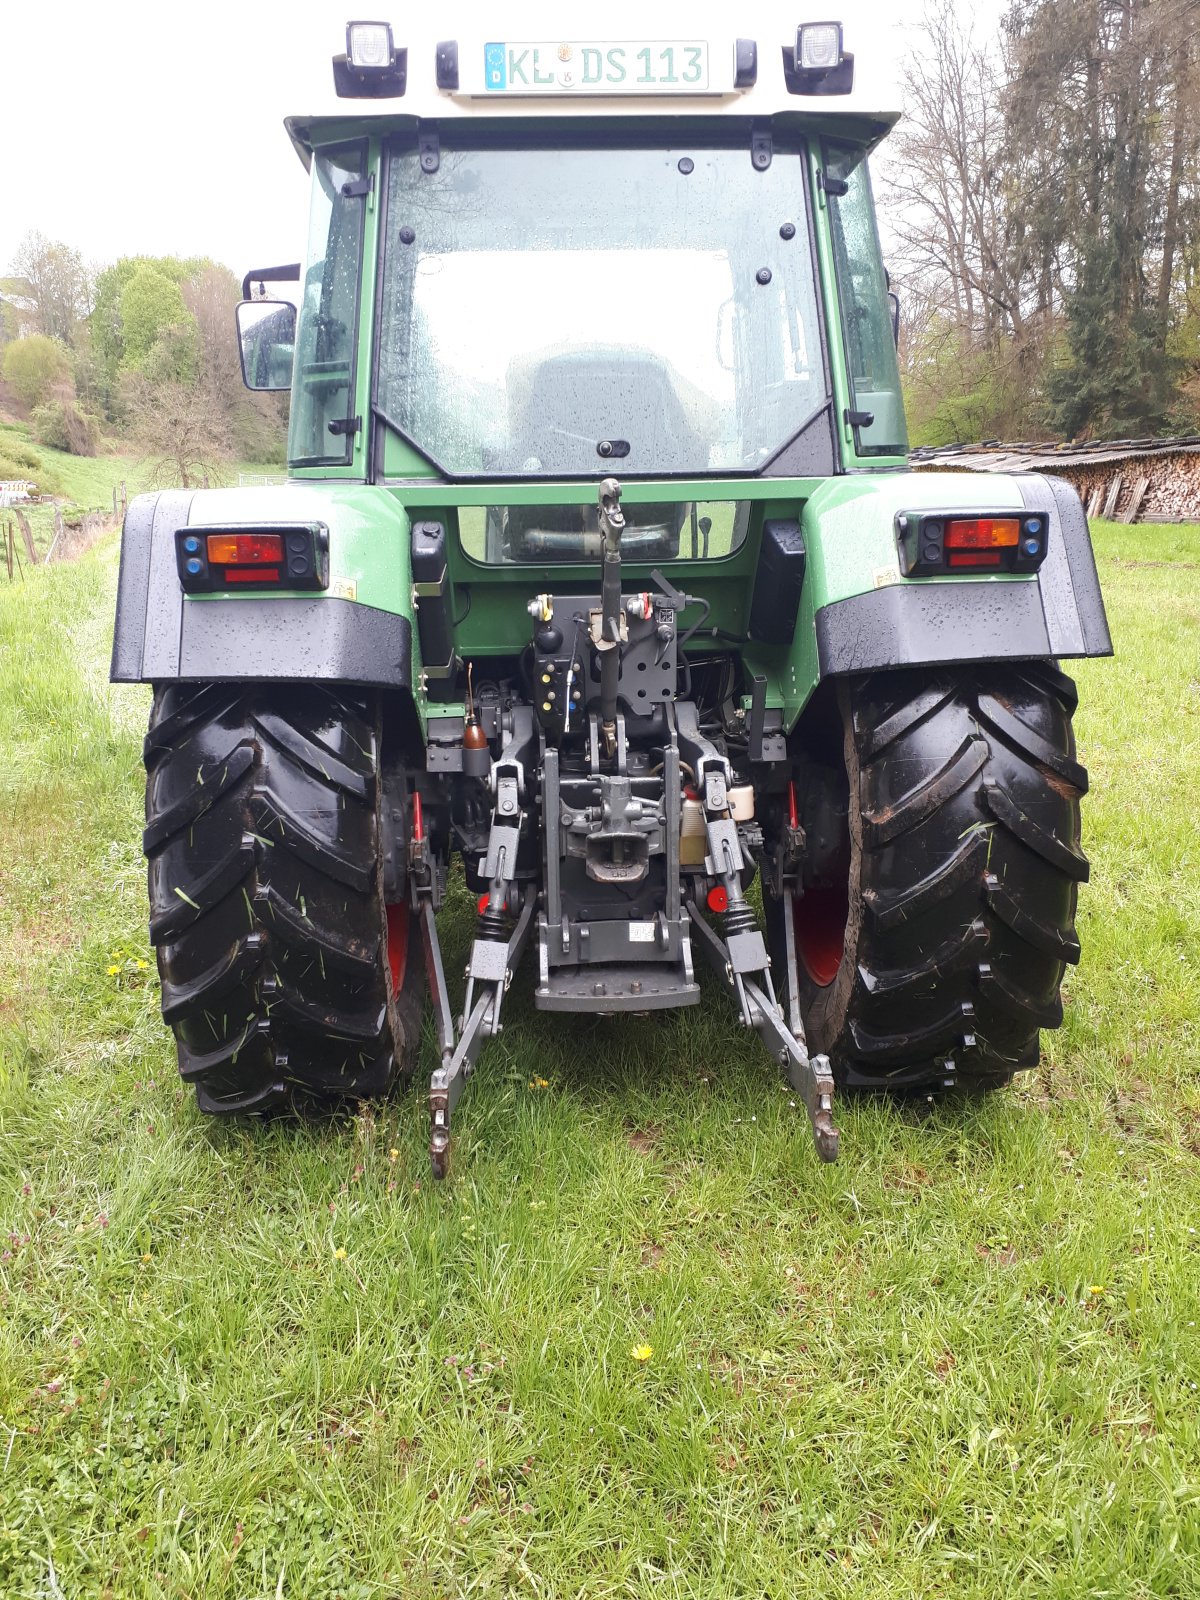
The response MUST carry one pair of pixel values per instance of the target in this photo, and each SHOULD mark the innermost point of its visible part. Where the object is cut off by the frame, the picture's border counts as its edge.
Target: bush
(25, 457)
(36, 365)
(62, 426)
(29, 467)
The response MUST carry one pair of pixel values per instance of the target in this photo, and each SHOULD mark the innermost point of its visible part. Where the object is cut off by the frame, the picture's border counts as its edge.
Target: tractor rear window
(677, 530)
(553, 313)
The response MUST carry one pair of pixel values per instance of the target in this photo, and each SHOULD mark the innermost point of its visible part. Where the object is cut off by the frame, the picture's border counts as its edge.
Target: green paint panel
(369, 551)
(849, 528)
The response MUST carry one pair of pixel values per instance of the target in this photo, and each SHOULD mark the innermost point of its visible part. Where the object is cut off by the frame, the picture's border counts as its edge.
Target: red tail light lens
(251, 574)
(973, 558)
(245, 549)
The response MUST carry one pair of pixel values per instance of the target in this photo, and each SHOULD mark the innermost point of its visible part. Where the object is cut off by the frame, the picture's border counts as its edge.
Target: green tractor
(599, 567)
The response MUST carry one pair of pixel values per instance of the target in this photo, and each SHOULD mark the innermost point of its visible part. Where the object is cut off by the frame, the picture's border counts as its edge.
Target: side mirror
(266, 343)
(894, 302)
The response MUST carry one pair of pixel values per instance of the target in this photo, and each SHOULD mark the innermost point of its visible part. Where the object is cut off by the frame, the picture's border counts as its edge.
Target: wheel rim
(398, 920)
(820, 920)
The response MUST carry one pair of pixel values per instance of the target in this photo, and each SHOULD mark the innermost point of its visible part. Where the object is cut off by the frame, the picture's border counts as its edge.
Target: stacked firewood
(1142, 488)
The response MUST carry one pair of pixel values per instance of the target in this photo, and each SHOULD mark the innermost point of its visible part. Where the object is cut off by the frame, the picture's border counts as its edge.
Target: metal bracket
(481, 1021)
(429, 150)
(762, 149)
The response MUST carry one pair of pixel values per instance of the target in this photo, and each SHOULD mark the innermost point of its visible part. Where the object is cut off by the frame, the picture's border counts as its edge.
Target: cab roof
(499, 63)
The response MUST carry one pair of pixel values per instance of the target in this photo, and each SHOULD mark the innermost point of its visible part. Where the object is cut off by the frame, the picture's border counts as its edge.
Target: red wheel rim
(398, 919)
(821, 916)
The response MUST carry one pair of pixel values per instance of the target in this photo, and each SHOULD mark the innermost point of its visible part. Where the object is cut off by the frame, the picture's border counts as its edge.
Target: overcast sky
(135, 128)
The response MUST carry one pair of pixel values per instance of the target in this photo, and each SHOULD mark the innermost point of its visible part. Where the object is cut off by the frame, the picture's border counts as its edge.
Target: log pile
(1128, 480)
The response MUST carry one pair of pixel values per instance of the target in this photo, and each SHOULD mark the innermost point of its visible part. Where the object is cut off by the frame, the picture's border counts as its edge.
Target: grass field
(277, 1361)
(86, 483)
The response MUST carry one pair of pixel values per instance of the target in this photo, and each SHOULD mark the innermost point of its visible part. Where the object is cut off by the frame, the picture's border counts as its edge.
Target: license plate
(597, 66)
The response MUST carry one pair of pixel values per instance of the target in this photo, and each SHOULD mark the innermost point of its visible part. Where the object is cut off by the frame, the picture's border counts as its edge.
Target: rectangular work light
(818, 46)
(818, 64)
(939, 541)
(372, 68)
(369, 46)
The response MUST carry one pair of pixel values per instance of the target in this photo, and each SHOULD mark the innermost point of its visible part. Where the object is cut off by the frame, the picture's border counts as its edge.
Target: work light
(369, 46)
(818, 46)
(372, 68)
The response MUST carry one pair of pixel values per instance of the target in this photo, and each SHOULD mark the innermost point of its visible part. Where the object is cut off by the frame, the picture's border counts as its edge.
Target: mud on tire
(964, 867)
(266, 900)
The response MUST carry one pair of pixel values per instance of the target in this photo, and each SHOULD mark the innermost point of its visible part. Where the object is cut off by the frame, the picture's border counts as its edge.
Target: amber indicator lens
(982, 533)
(243, 549)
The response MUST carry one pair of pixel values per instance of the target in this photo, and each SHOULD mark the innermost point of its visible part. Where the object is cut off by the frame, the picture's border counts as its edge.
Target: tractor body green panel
(369, 546)
(851, 539)
(849, 526)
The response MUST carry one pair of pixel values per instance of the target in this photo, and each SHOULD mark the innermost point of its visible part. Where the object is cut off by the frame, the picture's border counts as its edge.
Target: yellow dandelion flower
(539, 1083)
(1096, 1288)
(112, 971)
(641, 1352)
(340, 1253)
(142, 965)
(393, 1155)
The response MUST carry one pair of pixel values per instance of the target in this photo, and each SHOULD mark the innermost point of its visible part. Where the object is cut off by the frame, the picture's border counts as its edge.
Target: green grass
(962, 1362)
(86, 483)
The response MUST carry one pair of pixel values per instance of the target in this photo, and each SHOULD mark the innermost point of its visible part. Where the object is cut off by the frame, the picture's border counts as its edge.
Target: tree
(152, 305)
(180, 429)
(1100, 81)
(976, 311)
(1047, 212)
(59, 423)
(210, 295)
(56, 284)
(34, 366)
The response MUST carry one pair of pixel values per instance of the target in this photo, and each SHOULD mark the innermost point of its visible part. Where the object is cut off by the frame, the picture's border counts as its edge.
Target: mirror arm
(288, 274)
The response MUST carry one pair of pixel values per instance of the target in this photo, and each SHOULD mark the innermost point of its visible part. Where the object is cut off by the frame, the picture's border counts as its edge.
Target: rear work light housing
(278, 556)
(938, 542)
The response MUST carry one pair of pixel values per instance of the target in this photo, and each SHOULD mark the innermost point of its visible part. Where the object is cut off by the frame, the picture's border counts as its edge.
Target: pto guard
(358, 630)
(859, 614)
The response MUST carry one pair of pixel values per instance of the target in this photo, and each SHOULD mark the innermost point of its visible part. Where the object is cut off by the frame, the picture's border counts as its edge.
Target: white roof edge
(874, 97)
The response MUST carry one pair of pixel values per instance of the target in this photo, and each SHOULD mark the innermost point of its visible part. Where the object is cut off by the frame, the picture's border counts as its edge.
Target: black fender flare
(911, 623)
(162, 636)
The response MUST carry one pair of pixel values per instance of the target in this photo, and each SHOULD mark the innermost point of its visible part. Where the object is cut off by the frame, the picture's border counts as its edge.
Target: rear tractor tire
(285, 977)
(933, 955)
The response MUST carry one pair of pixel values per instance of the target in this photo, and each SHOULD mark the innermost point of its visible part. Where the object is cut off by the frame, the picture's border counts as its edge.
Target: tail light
(282, 556)
(939, 542)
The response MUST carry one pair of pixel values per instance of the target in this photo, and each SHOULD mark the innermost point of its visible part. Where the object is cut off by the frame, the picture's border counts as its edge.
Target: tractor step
(636, 987)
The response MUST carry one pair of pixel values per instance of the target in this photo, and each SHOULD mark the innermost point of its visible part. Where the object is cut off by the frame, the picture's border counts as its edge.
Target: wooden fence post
(27, 535)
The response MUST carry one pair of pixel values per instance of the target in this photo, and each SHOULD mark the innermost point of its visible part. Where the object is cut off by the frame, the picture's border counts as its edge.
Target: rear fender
(359, 630)
(859, 614)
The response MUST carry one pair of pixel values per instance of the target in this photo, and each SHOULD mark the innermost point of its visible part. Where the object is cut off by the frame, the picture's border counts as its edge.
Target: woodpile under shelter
(1124, 480)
